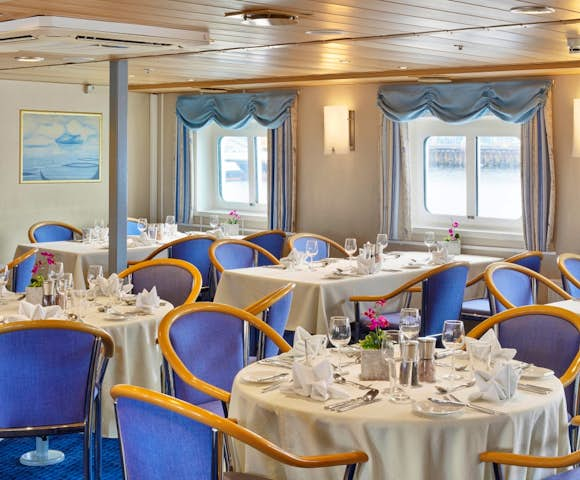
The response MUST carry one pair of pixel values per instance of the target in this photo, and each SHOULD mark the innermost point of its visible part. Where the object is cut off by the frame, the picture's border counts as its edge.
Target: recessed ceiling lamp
(78, 59)
(434, 80)
(403, 67)
(533, 10)
(265, 17)
(325, 31)
(28, 59)
(343, 60)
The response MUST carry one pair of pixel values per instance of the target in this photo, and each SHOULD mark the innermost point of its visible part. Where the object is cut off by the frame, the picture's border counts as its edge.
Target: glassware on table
(409, 323)
(429, 240)
(382, 241)
(55, 271)
(408, 354)
(311, 251)
(339, 335)
(152, 231)
(3, 281)
(389, 355)
(171, 227)
(453, 338)
(479, 356)
(141, 225)
(350, 247)
(79, 304)
(63, 287)
(214, 221)
(93, 274)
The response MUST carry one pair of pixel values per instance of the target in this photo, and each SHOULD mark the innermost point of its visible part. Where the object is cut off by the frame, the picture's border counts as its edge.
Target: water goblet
(453, 338)
(213, 221)
(339, 335)
(55, 271)
(141, 225)
(93, 274)
(429, 240)
(3, 281)
(409, 323)
(79, 303)
(350, 247)
(388, 354)
(311, 251)
(382, 241)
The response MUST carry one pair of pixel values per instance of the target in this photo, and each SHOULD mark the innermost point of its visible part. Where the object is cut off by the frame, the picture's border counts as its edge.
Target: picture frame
(60, 147)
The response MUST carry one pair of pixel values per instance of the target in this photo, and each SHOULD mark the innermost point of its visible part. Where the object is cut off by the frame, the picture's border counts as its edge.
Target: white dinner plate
(115, 317)
(264, 376)
(430, 409)
(413, 266)
(534, 372)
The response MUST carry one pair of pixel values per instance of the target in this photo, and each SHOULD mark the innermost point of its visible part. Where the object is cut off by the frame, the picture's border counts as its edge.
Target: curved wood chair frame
(179, 367)
(167, 245)
(571, 372)
(538, 277)
(37, 225)
(228, 241)
(197, 280)
(512, 259)
(564, 271)
(231, 428)
(330, 242)
(267, 301)
(18, 260)
(251, 236)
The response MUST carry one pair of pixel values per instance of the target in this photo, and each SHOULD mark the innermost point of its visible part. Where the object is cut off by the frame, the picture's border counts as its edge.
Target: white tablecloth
(77, 256)
(137, 359)
(401, 445)
(572, 305)
(316, 298)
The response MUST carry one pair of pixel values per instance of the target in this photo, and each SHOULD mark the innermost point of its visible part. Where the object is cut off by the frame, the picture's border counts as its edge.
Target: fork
(478, 408)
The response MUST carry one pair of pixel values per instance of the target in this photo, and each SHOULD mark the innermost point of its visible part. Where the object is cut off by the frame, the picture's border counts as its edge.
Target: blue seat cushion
(478, 306)
(573, 474)
(214, 407)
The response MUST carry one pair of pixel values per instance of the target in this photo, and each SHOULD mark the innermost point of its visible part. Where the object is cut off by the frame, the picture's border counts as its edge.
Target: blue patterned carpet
(70, 469)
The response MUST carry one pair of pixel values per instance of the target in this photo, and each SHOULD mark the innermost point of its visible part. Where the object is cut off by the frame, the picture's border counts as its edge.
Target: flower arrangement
(452, 233)
(37, 279)
(378, 322)
(233, 217)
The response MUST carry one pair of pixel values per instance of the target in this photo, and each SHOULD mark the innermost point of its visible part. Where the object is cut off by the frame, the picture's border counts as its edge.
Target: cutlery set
(346, 405)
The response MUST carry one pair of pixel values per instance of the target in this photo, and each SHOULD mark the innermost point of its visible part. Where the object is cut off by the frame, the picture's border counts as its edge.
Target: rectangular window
(233, 159)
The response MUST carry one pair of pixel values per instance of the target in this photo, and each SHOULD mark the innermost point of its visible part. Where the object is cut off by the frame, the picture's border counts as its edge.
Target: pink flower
(380, 303)
(382, 321)
(370, 313)
(35, 268)
(450, 231)
(455, 224)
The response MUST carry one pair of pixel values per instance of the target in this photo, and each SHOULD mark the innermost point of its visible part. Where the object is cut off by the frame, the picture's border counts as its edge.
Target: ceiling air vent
(118, 42)
(17, 38)
(574, 45)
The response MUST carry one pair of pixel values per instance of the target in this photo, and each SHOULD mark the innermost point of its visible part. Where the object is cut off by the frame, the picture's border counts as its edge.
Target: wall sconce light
(576, 129)
(338, 129)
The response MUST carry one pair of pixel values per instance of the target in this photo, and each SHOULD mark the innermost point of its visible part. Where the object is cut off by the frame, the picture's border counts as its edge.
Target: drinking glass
(429, 240)
(311, 250)
(350, 247)
(453, 338)
(382, 241)
(214, 221)
(170, 225)
(339, 335)
(388, 354)
(152, 231)
(141, 224)
(79, 303)
(55, 271)
(409, 323)
(93, 274)
(3, 281)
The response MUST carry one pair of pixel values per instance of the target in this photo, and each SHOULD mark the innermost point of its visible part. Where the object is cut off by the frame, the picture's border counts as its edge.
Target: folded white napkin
(314, 381)
(294, 258)
(300, 337)
(141, 240)
(498, 385)
(439, 257)
(498, 354)
(112, 285)
(217, 233)
(366, 266)
(30, 311)
(147, 301)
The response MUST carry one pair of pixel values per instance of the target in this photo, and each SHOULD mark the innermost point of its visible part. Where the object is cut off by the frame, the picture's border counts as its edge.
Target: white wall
(76, 203)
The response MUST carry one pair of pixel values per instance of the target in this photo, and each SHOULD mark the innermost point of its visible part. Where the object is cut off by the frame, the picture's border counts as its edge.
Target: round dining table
(402, 443)
(136, 360)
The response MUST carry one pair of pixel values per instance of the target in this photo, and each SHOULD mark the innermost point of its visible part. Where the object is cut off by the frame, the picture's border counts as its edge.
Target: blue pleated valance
(233, 110)
(512, 101)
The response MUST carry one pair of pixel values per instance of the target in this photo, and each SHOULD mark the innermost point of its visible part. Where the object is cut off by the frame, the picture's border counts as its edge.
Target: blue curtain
(233, 110)
(272, 110)
(513, 101)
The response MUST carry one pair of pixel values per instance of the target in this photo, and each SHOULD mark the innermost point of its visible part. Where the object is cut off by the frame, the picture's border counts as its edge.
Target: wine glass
(388, 354)
(382, 241)
(214, 221)
(170, 225)
(93, 274)
(339, 335)
(64, 286)
(311, 250)
(429, 240)
(3, 281)
(409, 323)
(55, 271)
(141, 225)
(453, 338)
(350, 247)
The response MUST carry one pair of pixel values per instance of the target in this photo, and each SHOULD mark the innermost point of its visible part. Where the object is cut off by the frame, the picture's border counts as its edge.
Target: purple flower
(380, 303)
(370, 314)
(450, 231)
(455, 224)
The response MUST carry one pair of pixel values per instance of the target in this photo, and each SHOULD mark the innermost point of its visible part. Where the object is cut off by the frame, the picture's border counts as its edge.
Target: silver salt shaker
(426, 367)
(408, 372)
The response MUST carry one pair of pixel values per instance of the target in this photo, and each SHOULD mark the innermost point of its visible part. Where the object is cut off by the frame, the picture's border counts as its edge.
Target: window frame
(473, 229)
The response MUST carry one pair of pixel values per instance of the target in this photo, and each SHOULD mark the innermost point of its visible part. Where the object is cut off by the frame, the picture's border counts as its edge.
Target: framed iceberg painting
(60, 146)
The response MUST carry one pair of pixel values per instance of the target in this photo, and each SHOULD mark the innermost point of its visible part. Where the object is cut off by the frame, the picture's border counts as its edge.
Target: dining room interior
(350, 227)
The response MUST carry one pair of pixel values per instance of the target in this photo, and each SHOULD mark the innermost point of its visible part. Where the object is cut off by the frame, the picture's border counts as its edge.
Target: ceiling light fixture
(265, 17)
(25, 58)
(403, 67)
(325, 31)
(533, 10)
(343, 60)
(429, 79)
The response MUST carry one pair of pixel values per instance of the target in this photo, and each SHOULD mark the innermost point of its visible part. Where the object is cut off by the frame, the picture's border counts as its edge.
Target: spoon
(338, 378)
(368, 397)
(441, 389)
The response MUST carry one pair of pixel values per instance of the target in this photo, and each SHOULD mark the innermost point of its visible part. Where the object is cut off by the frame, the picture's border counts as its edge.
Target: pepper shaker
(426, 367)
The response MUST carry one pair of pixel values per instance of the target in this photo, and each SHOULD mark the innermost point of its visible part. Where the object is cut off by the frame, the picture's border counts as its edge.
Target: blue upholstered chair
(185, 442)
(132, 226)
(201, 371)
(442, 291)
(195, 250)
(569, 265)
(230, 254)
(510, 285)
(274, 308)
(52, 232)
(325, 245)
(21, 268)
(480, 308)
(50, 384)
(271, 240)
(176, 281)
